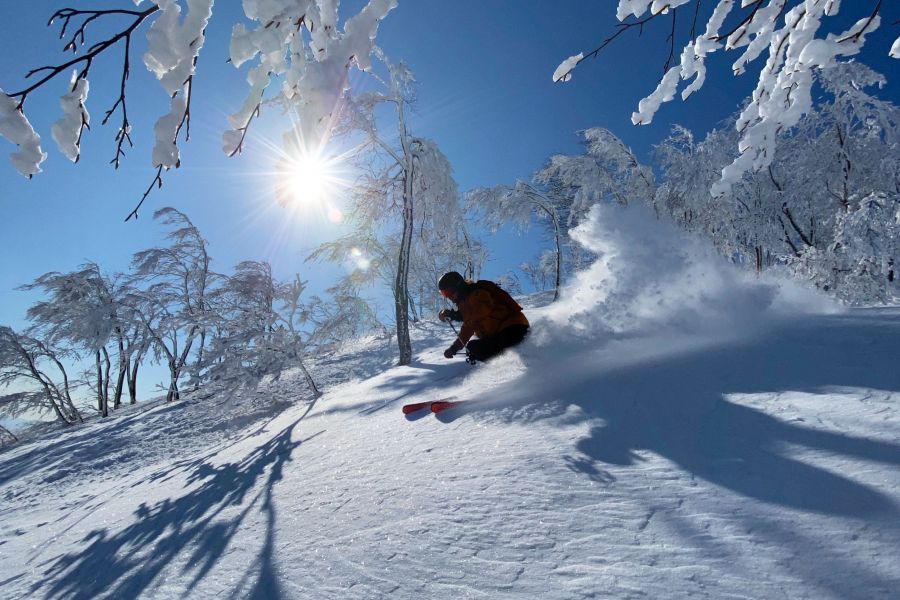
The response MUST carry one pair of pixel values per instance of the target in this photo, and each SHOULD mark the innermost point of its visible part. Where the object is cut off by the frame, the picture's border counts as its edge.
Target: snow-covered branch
(784, 30)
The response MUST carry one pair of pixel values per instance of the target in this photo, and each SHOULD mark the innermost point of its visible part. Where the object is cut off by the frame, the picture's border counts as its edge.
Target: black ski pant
(484, 348)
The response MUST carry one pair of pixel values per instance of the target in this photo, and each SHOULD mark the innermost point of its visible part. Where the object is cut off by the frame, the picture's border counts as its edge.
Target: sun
(307, 180)
(312, 181)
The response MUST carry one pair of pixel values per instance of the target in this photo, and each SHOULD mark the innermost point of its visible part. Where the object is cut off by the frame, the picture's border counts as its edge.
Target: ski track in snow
(766, 467)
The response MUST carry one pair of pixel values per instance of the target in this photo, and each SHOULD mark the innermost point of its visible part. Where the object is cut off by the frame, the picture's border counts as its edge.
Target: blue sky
(485, 95)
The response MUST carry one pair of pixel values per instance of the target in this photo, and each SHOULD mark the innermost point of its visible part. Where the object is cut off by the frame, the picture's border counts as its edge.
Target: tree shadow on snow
(425, 381)
(194, 529)
(676, 406)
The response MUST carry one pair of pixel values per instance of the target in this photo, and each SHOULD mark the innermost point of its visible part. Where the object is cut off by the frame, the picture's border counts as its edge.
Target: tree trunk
(309, 379)
(200, 357)
(107, 367)
(132, 385)
(401, 285)
(133, 375)
(173, 393)
(120, 380)
(99, 382)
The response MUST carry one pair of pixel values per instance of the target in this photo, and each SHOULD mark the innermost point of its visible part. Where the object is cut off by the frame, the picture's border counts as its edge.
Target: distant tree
(860, 265)
(518, 205)
(297, 42)
(561, 193)
(254, 339)
(345, 316)
(26, 361)
(293, 315)
(783, 30)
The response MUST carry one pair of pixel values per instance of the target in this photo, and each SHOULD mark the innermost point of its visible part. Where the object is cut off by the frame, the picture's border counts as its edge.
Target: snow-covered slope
(686, 435)
(762, 468)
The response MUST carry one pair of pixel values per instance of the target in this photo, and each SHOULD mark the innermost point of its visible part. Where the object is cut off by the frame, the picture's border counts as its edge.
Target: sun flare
(309, 180)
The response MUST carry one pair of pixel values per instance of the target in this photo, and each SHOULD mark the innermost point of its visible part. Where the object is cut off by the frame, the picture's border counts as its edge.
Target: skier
(486, 311)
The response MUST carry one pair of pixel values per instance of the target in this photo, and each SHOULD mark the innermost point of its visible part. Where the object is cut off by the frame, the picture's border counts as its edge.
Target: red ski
(434, 405)
(411, 408)
(440, 405)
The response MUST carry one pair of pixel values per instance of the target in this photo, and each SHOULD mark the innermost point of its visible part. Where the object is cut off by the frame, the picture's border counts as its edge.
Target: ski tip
(440, 405)
(411, 408)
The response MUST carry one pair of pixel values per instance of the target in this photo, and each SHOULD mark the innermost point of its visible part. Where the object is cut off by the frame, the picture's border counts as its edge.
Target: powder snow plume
(653, 291)
(651, 277)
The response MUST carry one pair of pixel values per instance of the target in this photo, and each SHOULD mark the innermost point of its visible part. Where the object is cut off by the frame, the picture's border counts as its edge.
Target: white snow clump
(564, 71)
(16, 128)
(783, 93)
(67, 130)
(171, 53)
(315, 73)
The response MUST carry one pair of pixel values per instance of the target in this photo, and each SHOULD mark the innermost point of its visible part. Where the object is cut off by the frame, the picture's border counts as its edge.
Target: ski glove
(452, 350)
(449, 315)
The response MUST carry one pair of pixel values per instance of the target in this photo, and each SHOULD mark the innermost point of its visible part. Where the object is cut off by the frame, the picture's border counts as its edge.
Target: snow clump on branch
(315, 73)
(172, 56)
(16, 128)
(67, 131)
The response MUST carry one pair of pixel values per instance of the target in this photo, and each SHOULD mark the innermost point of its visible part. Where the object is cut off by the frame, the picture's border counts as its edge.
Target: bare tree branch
(157, 181)
(671, 40)
(620, 29)
(124, 133)
(67, 14)
(240, 145)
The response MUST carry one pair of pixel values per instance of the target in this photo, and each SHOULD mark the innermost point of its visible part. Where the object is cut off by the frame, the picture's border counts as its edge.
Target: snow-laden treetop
(784, 30)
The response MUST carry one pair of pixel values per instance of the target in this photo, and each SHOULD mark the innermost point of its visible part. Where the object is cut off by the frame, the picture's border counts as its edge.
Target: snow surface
(694, 434)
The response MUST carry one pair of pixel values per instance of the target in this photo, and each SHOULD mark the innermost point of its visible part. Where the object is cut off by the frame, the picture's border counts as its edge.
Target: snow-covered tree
(29, 363)
(836, 160)
(172, 286)
(81, 309)
(253, 338)
(785, 31)
(860, 265)
(345, 316)
(408, 183)
(518, 205)
(296, 43)
(245, 322)
(293, 315)
(561, 193)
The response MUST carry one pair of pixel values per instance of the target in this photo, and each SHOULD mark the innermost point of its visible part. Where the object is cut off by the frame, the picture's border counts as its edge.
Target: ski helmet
(450, 281)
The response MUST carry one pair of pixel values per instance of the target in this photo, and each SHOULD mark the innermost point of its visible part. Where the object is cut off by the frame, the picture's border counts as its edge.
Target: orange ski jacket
(486, 309)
